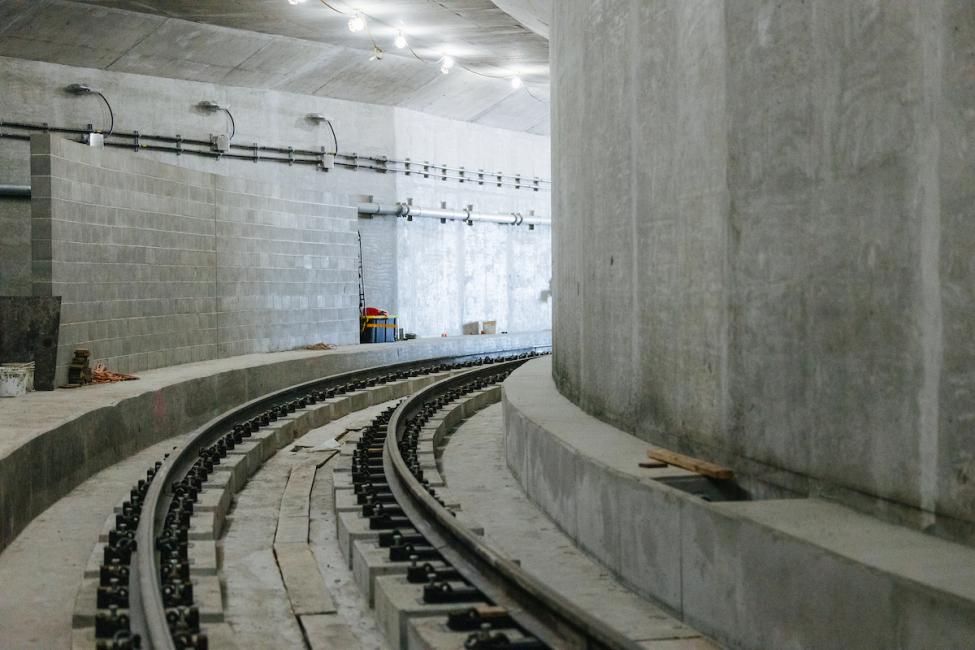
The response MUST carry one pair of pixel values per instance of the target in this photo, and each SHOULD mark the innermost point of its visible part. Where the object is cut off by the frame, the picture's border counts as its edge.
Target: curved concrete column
(762, 256)
(752, 573)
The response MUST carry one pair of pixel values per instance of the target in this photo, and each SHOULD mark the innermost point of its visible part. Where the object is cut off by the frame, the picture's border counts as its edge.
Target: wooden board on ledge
(691, 464)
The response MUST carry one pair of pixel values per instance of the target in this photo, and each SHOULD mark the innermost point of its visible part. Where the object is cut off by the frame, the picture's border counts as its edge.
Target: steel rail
(539, 609)
(147, 613)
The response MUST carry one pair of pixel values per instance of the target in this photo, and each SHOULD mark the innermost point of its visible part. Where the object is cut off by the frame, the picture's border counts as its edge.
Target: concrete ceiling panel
(281, 56)
(304, 49)
(518, 108)
(536, 15)
(478, 29)
(69, 33)
(186, 41)
(459, 95)
(381, 82)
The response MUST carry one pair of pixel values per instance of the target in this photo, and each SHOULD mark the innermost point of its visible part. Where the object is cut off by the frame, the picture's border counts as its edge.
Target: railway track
(145, 594)
(498, 605)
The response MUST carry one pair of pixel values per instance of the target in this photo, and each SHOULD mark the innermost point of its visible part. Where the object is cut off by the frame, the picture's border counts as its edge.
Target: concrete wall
(158, 265)
(768, 573)
(764, 256)
(33, 92)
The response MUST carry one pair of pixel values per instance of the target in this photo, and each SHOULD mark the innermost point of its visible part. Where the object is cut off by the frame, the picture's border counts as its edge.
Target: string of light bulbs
(359, 22)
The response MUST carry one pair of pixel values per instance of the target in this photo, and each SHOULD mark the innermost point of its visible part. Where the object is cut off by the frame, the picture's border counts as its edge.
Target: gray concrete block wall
(451, 274)
(157, 265)
(761, 257)
(286, 268)
(166, 106)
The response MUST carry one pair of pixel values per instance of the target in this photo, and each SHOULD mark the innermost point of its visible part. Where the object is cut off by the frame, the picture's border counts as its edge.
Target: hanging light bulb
(295, 2)
(357, 23)
(400, 40)
(516, 82)
(446, 64)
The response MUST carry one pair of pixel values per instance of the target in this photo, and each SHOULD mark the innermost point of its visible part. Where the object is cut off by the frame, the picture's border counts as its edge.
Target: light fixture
(85, 89)
(318, 118)
(296, 2)
(400, 40)
(377, 53)
(516, 82)
(357, 23)
(446, 64)
(212, 107)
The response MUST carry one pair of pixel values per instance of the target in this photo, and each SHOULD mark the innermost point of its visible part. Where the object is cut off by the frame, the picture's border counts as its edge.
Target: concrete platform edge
(815, 574)
(104, 424)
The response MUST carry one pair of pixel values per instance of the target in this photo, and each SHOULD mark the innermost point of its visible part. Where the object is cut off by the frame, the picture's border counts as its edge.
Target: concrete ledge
(785, 573)
(52, 441)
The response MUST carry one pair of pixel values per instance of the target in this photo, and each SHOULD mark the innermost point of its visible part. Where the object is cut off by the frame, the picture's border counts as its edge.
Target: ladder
(362, 287)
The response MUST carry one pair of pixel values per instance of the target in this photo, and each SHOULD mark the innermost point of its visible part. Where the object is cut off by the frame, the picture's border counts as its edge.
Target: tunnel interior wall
(158, 265)
(399, 258)
(763, 252)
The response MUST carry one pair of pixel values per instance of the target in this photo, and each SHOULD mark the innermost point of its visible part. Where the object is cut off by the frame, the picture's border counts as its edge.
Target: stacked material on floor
(79, 372)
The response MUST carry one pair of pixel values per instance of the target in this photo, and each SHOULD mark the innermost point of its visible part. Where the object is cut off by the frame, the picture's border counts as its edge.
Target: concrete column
(764, 212)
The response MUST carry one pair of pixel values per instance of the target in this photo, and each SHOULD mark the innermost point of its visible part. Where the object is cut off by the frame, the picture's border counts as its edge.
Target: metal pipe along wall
(407, 210)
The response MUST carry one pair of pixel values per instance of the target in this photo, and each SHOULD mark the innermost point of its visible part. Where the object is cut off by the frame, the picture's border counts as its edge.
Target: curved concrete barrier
(777, 573)
(52, 441)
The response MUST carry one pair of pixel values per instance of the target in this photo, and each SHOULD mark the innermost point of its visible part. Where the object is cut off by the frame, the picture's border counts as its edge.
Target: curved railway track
(511, 608)
(145, 595)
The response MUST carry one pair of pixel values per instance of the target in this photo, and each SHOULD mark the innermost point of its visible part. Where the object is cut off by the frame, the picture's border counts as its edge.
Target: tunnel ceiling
(533, 14)
(305, 48)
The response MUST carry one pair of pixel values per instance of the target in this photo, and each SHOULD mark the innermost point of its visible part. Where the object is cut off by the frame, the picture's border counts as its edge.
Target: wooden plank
(328, 632)
(295, 500)
(692, 464)
(302, 579)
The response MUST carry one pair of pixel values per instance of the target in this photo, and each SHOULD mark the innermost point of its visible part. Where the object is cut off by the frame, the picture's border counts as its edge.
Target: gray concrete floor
(256, 603)
(41, 570)
(473, 465)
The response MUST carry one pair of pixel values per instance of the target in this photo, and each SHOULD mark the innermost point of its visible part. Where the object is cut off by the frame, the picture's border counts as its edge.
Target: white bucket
(14, 380)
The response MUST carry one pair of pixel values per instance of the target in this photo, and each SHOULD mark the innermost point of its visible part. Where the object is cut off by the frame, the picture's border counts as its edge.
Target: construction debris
(102, 375)
(691, 464)
(320, 346)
